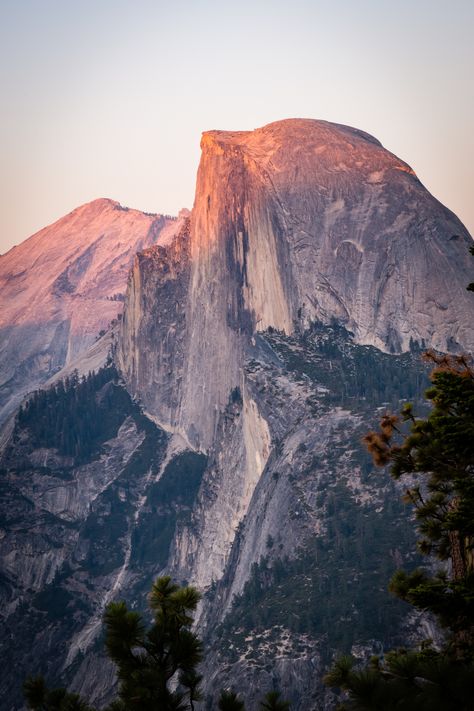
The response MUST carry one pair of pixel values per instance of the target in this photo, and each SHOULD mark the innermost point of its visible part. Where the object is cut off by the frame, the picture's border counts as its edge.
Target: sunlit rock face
(62, 286)
(324, 223)
(298, 222)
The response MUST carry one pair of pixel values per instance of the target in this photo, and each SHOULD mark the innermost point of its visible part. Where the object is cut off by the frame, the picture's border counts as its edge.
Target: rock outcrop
(297, 223)
(320, 222)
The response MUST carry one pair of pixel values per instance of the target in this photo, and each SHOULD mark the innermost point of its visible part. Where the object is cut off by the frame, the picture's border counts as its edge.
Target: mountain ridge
(260, 339)
(64, 285)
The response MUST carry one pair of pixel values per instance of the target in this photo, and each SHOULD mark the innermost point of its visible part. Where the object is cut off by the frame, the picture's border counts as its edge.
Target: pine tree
(156, 668)
(439, 451)
(229, 701)
(150, 662)
(39, 698)
(273, 702)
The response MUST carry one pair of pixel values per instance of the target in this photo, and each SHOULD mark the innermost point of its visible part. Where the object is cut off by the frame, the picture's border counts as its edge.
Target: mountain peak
(293, 144)
(65, 284)
(100, 206)
(97, 204)
(291, 129)
(347, 227)
(295, 223)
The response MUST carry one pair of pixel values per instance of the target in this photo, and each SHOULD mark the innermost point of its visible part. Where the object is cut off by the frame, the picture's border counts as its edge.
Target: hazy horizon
(110, 99)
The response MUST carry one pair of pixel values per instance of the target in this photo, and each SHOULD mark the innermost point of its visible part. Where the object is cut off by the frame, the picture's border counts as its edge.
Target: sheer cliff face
(59, 288)
(325, 223)
(298, 222)
(152, 347)
(301, 221)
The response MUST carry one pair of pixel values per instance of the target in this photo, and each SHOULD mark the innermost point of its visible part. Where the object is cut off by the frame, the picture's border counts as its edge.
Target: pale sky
(108, 98)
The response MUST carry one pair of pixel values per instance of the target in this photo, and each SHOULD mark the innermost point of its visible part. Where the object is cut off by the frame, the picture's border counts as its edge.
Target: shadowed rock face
(152, 349)
(59, 288)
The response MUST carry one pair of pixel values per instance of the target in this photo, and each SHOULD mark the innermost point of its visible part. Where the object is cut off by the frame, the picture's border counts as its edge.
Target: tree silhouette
(150, 662)
(439, 452)
(229, 701)
(272, 701)
(156, 667)
(40, 698)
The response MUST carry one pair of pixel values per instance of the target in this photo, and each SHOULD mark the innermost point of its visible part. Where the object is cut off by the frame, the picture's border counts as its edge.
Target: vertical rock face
(59, 288)
(297, 223)
(152, 348)
(335, 226)
(238, 282)
(304, 221)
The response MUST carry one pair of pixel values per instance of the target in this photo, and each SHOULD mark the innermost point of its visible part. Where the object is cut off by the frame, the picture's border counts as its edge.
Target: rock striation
(320, 222)
(298, 222)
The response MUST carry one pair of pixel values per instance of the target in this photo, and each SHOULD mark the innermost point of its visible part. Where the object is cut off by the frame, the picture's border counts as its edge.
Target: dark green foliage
(273, 702)
(451, 601)
(351, 372)
(35, 691)
(109, 522)
(39, 698)
(76, 415)
(336, 587)
(54, 600)
(411, 681)
(149, 660)
(439, 450)
(180, 481)
(169, 501)
(156, 667)
(229, 701)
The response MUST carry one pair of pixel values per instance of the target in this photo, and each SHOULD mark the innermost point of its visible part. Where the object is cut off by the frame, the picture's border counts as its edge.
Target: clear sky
(108, 98)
